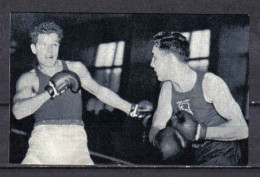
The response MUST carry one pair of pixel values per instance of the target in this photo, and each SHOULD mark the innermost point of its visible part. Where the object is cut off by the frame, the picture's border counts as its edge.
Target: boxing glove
(141, 110)
(171, 143)
(62, 81)
(188, 126)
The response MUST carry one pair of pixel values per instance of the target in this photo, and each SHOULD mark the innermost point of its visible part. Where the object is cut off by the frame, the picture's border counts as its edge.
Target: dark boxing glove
(62, 81)
(141, 110)
(170, 143)
(188, 126)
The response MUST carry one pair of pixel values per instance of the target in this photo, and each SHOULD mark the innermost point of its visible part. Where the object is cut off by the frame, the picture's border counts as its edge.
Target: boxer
(52, 93)
(211, 118)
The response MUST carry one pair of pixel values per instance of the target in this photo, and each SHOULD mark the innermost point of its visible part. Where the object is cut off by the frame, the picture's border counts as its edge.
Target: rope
(110, 158)
(19, 132)
(90, 152)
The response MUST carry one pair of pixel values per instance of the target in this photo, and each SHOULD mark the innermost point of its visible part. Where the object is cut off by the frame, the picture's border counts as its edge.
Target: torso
(60, 110)
(35, 80)
(197, 102)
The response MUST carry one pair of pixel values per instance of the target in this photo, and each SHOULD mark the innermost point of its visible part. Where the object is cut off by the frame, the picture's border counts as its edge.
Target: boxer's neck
(185, 80)
(50, 70)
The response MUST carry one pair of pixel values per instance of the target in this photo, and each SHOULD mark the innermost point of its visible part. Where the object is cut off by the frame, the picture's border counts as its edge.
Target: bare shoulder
(75, 65)
(26, 86)
(167, 85)
(80, 69)
(211, 80)
(166, 90)
(28, 79)
(212, 85)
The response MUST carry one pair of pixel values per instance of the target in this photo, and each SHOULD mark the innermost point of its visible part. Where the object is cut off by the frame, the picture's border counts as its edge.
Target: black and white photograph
(129, 89)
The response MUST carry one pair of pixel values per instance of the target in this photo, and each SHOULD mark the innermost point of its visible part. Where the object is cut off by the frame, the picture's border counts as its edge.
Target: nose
(152, 63)
(49, 48)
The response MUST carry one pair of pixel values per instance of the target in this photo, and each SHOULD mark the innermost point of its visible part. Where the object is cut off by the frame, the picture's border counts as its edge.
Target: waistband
(60, 122)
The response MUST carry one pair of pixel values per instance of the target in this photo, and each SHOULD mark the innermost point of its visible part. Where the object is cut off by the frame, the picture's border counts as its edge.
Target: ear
(33, 48)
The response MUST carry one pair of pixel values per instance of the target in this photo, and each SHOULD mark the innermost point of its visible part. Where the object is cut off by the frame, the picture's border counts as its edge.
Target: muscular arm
(26, 100)
(217, 92)
(164, 110)
(102, 93)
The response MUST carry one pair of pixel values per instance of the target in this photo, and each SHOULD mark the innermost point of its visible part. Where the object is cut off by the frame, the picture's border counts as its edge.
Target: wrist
(201, 132)
(133, 110)
(51, 90)
(127, 108)
(47, 96)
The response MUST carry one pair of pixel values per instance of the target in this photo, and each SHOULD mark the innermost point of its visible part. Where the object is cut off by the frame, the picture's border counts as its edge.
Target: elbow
(244, 132)
(240, 130)
(17, 114)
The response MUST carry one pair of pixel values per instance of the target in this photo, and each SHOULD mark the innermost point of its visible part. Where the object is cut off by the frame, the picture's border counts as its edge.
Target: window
(199, 48)
(108, 69)
(110, 54)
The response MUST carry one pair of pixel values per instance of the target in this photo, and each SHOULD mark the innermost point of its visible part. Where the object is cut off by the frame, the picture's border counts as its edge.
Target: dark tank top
(194, 103)
(64, 109)
(204, 112)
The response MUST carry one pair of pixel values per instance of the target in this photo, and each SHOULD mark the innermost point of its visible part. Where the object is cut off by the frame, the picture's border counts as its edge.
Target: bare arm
(26, 100)
(102, 93)
(217, 92)
(164, 110)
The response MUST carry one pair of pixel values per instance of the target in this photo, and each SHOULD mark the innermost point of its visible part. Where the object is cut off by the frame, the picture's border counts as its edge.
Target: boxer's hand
(62, 81)
(141, 110)
(189, 127)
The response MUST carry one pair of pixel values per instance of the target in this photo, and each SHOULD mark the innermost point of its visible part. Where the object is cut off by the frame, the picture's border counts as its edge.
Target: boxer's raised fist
(61, 81)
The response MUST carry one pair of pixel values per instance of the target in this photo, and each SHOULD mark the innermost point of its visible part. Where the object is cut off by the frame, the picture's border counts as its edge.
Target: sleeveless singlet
(194, 103)
(207, 152)
(63, 109)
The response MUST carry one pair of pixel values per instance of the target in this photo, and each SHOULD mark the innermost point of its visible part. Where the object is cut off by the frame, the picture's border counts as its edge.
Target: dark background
(205, 7)
(113, 133)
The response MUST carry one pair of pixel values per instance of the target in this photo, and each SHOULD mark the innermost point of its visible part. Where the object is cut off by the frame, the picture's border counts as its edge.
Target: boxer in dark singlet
(214, 120)
(51, 91)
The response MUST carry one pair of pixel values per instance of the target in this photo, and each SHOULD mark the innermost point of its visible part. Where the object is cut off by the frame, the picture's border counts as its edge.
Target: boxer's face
(46, 49)
(160, 63)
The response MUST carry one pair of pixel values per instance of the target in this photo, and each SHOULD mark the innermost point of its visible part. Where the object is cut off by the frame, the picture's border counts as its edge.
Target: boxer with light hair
(210, 118)
(52, 93)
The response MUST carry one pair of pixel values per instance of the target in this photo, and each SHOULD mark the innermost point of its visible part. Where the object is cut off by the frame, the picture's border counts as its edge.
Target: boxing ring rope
(111, 158)
(20, 132)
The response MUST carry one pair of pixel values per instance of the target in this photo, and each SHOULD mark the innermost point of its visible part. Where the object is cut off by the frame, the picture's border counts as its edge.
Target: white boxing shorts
(58, 145)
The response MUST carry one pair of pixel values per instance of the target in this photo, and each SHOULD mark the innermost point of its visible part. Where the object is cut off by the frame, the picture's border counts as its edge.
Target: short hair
(173, 42)
(46, 28)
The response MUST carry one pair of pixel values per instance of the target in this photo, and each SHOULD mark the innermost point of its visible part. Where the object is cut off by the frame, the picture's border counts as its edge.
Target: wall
(82, 34)
(233, 61)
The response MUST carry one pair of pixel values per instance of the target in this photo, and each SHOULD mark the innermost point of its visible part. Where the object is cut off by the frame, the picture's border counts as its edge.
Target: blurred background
(116, 48)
